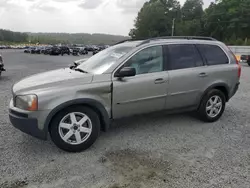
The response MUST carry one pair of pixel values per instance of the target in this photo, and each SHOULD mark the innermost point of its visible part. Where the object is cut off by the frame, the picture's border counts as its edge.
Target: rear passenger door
(219, 69)
(186, 75)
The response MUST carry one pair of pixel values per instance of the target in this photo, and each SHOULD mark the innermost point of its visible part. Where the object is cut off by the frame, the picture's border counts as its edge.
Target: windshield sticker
(117, 55)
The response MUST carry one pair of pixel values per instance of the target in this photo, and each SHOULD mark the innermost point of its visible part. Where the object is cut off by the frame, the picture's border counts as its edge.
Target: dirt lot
(157, 150)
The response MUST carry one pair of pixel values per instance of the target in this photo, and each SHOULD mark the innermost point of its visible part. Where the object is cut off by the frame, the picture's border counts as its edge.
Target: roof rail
(177, 37)
(123, 41)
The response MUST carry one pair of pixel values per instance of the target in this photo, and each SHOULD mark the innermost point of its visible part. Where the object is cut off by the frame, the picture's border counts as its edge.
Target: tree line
(75, 38)
(12, 37)
(225, 20)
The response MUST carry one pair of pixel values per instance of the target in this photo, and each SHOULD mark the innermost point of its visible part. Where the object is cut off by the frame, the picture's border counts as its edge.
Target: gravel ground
(157, 150)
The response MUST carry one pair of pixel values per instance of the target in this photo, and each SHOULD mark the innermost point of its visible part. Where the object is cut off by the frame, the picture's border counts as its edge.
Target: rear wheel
(212, 106)
(75, 129)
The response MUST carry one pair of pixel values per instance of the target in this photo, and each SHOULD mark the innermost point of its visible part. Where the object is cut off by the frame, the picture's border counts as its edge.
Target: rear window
(214, 54)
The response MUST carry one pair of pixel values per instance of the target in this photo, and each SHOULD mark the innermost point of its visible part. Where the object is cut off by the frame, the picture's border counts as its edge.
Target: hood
(53, 78)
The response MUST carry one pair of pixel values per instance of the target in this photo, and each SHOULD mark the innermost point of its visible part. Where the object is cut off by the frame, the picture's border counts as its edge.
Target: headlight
(26, 102)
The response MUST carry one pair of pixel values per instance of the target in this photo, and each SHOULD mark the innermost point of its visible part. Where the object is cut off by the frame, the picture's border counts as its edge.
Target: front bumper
(25, 124)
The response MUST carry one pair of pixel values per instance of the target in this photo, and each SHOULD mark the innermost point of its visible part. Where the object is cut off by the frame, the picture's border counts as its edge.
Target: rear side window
(213, 54)
(184, 56)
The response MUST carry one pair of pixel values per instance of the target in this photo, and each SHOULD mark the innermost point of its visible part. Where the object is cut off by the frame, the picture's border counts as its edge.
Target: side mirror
(126, 72)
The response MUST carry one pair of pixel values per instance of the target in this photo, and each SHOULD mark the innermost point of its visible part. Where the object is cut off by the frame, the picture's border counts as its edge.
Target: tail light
(237, 62)
(239, 66)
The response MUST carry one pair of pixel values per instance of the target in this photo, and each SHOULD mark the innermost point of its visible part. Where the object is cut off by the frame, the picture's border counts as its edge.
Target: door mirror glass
(126, 72)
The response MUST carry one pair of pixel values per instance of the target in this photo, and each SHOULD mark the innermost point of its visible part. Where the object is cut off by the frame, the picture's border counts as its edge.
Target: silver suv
(132, 77)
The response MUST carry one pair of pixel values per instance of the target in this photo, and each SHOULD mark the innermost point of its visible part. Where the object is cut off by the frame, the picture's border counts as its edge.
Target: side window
(148, 60)
(213, 54)
(184, 56)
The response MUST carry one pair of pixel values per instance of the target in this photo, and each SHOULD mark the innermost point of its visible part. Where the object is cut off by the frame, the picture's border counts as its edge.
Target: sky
(71, 16)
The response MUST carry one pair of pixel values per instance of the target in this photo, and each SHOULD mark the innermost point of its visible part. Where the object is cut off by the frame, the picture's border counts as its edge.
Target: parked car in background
(64, 50)
(1, 65)
(134, 77)
(55, 50)
(89, 48)
(27, 50)
(95, 51)
(38, 50)
(47, 50)
(76, 51)
(3, 47)
(33, 50)
(42, 50)
(83, 51)
(245, 59)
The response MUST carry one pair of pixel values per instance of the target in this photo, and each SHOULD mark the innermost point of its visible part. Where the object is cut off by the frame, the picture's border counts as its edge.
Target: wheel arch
(93, 104)
(220, 86)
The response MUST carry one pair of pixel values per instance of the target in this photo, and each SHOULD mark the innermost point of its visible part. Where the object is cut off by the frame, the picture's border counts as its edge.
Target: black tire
(248, 63)
(202, 108)
(59, 142)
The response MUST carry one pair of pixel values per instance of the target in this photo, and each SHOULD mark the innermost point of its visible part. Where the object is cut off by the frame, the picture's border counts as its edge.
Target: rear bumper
(26, 125)
(235, 89)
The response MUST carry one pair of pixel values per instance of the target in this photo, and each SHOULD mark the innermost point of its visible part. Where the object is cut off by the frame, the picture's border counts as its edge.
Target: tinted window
(148, 60)
(213, 54)
(184, 56)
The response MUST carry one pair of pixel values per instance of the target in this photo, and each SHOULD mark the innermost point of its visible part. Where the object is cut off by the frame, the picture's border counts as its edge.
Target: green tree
(225, 20)
(155, 18)
(192, 9)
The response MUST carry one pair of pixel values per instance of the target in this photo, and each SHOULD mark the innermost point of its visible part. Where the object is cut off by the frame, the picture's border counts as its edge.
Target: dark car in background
(59, 50)
(97, 49)
(55, 50)
(64, 50)
(245, 58)
(1, 65)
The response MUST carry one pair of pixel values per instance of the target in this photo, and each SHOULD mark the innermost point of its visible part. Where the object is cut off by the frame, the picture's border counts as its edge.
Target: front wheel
(75, 129)
(212, 106)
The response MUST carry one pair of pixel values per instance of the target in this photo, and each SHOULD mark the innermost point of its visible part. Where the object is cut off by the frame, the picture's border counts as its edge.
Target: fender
(97, 106)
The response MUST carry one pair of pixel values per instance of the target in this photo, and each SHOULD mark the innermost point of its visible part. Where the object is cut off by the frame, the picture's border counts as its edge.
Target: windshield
(102, 61)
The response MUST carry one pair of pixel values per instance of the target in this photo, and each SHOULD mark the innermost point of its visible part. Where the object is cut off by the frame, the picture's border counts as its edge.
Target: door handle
(203, 74)
(159, 81)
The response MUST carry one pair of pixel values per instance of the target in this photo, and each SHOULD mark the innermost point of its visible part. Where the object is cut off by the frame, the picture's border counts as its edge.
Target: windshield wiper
(80, 70)
(73, 66)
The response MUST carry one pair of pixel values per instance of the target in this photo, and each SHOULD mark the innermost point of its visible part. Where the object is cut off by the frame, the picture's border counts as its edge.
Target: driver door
(146, 91)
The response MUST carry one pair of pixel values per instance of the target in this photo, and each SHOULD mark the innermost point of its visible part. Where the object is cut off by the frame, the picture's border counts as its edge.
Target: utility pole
(173, 25)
